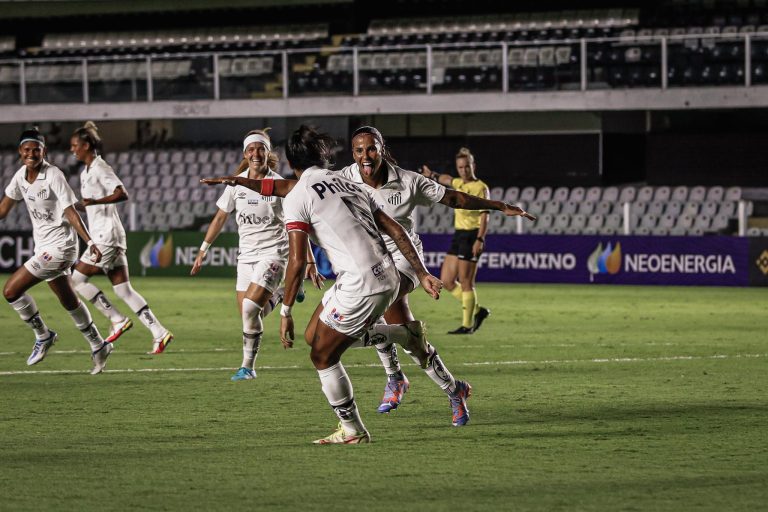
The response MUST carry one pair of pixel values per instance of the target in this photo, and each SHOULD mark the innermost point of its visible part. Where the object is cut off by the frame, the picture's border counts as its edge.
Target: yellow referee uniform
(469, 219)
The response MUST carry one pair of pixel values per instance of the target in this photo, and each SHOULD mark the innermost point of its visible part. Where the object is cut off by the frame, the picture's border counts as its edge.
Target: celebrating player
(341, 217)
(101, 190)
(263, 245)
(398, 192)
(55, 227)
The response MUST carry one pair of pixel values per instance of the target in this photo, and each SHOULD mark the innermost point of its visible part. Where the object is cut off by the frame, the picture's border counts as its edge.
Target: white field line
(481, 363)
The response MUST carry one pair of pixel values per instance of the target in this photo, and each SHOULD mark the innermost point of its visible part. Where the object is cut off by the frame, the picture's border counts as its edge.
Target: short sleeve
(371, 201)
(13, 191)
(227, 200)
(110, 180)
(64, 193)
(427, 191)
(485, 194)
(297, 212)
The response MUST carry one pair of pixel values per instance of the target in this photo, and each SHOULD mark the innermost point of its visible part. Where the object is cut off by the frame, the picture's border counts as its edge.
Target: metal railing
(568, 64)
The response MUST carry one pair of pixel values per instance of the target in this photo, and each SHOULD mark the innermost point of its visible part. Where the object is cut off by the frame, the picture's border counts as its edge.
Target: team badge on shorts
(46, 257)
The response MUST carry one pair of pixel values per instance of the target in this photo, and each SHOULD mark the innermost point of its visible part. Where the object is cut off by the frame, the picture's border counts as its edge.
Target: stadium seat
(720, 222)
(560, 194)
(680, 194)
(754, 231)
(638, 208)
(697, 194)
(586, 207)
(655, 207)
(569, 207)
(660, 231)
(497, 193)
(552, 207)
(649, 221)
(562, 221)
(709, 208)
(603, 207)
(645, 194)
(727, 208)
(528, 194)
(667, 221)
(544, 194)
(673, 208)
(594, 194)
(691, 208)
(661, 194)
(703, 222)
(578, 221)
(596, 221)
(577, 194)
(610, 194)
(715, 194)
(627, 195)
(733, 194)
(685, 221)
(642, 231)
(511, 194)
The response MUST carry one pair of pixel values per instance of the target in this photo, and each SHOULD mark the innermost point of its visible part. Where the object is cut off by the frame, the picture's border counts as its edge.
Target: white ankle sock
(338, 391)
(26, 307)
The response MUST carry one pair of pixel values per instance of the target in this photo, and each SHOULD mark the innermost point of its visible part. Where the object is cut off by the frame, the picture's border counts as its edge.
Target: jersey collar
(392, 174)
(40, 175)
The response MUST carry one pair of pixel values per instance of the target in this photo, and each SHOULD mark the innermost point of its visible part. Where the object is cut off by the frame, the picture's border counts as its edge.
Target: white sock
(338, 391)
(436, 371)
(83, 321)
(384, 337)
(252, 331)
(96, 297)
(26, 307)
(139, 306)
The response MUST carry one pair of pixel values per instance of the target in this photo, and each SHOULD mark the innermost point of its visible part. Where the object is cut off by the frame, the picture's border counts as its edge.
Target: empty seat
(560, 194)
(611, 194)
(569, 207)
(667, 221)
(656, 208)
(627, 195)
(613, 220)
(562, 221)
(691, 208)
(727, 208)
(544, 221)
(511, 194)
(661, 194)
(645, 194)
(649, 221)
(673, 208)
(642, 231)
(604, 207)
(528, 194)
(552, 207)
(660, 231)
(702, 222)
(676, 231)
(733, 194)
(685, 221)
(680, 194)
(544, 194)
(639, 208)
(697, 194)
(497, 193)
(594, 194)
(709, 208)
(596, 221)
(715, 194)
(578, 221)
(586, 207)
(577, 194)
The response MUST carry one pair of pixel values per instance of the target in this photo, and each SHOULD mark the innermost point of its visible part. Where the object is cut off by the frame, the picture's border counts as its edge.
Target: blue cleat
(459, 403)
(244, 374)
(393, 394)
(41, 348)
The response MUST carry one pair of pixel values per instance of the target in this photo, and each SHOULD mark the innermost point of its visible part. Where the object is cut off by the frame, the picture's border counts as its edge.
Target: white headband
(42, 144)
(257, 137)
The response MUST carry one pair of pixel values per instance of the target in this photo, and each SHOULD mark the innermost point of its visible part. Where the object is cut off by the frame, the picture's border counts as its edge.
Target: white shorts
(265, 273)
(48, 264)
(352, 314)
(111, 257)
(405, 268)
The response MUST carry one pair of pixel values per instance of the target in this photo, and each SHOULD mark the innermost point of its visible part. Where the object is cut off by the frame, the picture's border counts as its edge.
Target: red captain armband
(267, 187)
(297, 226)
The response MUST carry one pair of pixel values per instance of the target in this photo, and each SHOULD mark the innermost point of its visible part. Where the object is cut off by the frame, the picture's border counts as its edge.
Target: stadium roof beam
(602, 100)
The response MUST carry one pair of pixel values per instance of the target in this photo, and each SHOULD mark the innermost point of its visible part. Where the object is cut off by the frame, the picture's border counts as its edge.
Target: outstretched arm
(456, 199)
(444, 179)
(388, 225)
(74, 219)
(279, 188)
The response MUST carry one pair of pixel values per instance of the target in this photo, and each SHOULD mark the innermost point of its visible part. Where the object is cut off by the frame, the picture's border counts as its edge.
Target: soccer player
(341, 217)
(460, 265)
(263, 245)
(55, 227)
(398, 192)
(101, 190)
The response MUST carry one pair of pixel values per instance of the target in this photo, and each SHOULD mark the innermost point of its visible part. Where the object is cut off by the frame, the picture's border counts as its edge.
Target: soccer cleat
(100, 358)
(41, 347)
(482, 314)
(393, 394)
(462, 330)
(459, 403)
(341, 437)
(244, 374)
(118, 329)
(160, 344)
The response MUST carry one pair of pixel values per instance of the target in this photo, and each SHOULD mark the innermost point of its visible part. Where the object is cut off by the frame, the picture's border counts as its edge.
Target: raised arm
(444, 179)
(74, 219)
(456, 199)
(397, 233)
(6, 205)
(279, 188)
(214, 228)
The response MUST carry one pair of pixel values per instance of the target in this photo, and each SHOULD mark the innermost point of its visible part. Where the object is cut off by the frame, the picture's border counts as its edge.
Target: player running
(101, 190)
(398, 192)
(55, 227)
(263, 245)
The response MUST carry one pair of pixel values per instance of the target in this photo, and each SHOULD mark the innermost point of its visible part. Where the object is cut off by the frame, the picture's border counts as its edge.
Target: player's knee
(9, 293)
(322, 358)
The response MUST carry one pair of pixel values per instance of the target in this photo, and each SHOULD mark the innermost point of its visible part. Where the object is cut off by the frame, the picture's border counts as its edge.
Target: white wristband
(285, 310)
(90, 243)
(204, 246)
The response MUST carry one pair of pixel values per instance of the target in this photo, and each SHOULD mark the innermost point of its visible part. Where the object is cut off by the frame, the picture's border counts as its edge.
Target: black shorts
(461, 245)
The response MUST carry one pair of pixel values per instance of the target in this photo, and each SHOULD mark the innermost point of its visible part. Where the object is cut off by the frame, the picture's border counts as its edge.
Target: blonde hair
(89, 133)
(466, 153)
(272, 158)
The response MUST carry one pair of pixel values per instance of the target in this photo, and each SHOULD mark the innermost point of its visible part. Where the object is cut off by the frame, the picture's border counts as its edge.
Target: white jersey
(338, 216)
(259, 221)
(402, 192)
(96, 181)
(46, 200)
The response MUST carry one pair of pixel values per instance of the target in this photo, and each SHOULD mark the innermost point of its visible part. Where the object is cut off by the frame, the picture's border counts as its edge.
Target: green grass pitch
(585, 398)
